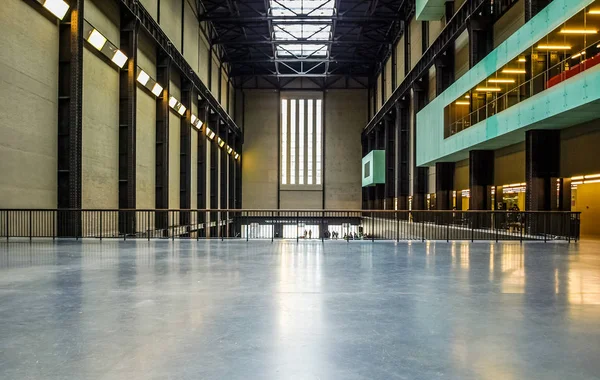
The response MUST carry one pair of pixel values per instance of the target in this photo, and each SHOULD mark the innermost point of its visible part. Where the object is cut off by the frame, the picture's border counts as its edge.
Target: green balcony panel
(431, 145)
(572, 102)
(430, 10)
(373, 168)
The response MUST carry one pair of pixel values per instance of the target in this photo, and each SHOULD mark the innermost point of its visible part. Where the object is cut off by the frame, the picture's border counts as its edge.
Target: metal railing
(539, 83)
(290, 224)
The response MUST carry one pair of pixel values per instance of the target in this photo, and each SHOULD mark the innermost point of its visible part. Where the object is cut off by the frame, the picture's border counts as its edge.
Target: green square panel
(373, 168)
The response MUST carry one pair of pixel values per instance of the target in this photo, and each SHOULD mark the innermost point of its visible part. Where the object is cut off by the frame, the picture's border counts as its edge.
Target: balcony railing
(350, 225)
(539, 83)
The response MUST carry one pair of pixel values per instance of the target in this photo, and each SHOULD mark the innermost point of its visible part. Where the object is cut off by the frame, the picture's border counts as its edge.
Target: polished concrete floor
(358, 310)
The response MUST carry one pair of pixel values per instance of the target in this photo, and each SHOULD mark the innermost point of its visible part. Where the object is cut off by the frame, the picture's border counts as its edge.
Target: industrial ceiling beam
(299, 42)
(300, 19)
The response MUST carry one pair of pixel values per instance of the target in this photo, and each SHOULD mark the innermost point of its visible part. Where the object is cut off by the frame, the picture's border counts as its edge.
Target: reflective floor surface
(257, 310)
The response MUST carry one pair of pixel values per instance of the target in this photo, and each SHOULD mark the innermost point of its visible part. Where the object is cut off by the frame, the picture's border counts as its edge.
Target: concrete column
(481, 177)
(444, 72)
(444, 184)
(533, 7)
(542, 168)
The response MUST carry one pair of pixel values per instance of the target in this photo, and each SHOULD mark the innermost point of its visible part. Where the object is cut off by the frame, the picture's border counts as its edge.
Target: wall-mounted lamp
(209, 133)
(57, 7)
(177, 106)
(196, 122)
(229, 149)
(220, 142)
(103, 45)
(236, 155)
(148, 82)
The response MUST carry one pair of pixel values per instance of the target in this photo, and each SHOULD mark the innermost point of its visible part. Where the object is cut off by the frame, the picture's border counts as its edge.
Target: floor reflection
(351, 310)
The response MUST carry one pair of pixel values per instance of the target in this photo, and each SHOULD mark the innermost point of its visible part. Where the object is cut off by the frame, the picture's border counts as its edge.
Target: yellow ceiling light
(522, 59)
(143, 78)
(468, 96)
(578, 31)
(578, 55)
(501, 80)
(157, 89)
(554, 47)
(57, 7)
(514, 71)
(577, 178)
(96, 39)
(594, 11)
(119, 58)
(592, 176)
(462, 103)
(488, 89)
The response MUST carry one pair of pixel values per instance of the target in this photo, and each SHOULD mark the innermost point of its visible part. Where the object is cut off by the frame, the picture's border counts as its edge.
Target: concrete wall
(416, 37)
(259, 155)
(400, 67)
(151, 6)
(345, 116)
(28, 107)
(146, 131)
(579, 149)
(388, 79)
(588, 204)
(170, 20)
(509, 23)
(190, 34)
(509, 165)
(100, 136)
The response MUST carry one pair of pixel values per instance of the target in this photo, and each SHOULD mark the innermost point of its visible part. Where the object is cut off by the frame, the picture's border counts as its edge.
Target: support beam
(533, 7)
(70, 97)
(127, 123)
(444, 72)
(481, 178)
(214, 172)
(390, 162)
(402, 154)
(163, 76)
(421, 174)
(542, 168)
(444, 185)
(185, 154)
(202, 167)
(481, 38)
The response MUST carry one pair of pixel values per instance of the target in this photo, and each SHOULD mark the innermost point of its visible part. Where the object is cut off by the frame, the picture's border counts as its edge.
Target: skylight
(290, 31)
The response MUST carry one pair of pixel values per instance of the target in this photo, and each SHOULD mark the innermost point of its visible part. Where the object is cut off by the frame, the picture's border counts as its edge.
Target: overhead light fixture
(501, 80)
(468, 96)
(514, 71)
(462, 103)
(220, 142)
(143, 78)
(554, 47)
(578, 31)
(119, 58)
(236, 155)
(57, 7)
(172, 102)
(522, 59)
(229, 149)
(488, 89)
(96, 39)
(157, 89)
(181, 109)
(578, 55)
(577, 178)
(592, 176)
(594, 12)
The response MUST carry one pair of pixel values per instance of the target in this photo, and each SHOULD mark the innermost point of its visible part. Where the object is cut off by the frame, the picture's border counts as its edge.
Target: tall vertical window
(301, 140)
(319, 155)
(284, 141)
(293, 146)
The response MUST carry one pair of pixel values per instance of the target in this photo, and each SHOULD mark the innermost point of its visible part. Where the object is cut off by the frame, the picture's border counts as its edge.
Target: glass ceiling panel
(300, 31)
